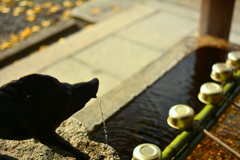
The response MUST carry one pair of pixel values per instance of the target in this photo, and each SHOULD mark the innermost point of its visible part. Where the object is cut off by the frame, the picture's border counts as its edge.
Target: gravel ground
(20, 19)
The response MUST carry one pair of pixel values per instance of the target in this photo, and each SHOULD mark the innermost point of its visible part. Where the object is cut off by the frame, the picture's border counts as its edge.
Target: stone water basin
(143, 120)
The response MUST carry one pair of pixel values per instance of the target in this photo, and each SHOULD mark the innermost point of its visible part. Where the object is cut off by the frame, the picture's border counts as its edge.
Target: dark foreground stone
(71, 130)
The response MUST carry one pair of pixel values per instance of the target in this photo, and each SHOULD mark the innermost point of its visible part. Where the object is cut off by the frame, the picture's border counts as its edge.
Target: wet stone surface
(71, 130)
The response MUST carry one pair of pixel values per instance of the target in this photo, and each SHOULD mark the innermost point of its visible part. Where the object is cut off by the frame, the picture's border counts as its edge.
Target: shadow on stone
(6, 157)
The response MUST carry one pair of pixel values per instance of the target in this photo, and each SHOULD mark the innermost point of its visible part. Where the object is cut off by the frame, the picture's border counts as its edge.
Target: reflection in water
(143, 120)
(205, 58)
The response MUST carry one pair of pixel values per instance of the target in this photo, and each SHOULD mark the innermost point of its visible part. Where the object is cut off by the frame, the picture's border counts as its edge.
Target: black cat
(35, 105)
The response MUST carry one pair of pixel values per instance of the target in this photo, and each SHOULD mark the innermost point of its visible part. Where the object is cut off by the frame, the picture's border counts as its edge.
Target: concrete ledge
(33, 41)
(117, 98)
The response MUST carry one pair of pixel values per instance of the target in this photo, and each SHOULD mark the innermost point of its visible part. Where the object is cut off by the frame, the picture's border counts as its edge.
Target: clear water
(143, 120)
(103, 120)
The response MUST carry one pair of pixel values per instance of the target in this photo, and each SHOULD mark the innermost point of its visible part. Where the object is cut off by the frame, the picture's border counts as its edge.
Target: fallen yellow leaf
(47, 4)
(35, 28)
(54, 9)
(96, 11)
(25, 33)
(6, 1)
(31, 18)
(42, 47)
(5, 10)
(30, 12)
(67, 4)
(116, 8)
(61, 40)
(88, 27)
(10, 4)
(5, 45)
(66, 14)
(18, 10)
(37, 9)
(14, 38)
(30, 3)
(79, 3)
(23, 3)
(45, 23)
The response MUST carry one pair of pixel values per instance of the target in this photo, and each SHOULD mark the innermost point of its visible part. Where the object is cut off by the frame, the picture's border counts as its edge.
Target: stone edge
(118, 97)
(36, 39)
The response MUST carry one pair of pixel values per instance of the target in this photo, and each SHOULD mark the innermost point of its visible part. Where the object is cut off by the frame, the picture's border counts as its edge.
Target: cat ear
(88, 89)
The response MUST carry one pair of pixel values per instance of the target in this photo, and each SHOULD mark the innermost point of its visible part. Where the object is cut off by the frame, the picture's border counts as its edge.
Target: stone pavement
(126, 52)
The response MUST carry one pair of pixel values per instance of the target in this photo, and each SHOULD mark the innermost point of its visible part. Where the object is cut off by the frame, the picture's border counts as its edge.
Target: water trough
(144, 119)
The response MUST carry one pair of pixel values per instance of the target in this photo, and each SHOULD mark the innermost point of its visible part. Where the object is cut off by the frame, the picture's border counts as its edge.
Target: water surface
(143, 120)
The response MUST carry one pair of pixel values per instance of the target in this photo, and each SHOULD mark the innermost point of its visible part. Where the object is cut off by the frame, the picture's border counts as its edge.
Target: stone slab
(72, 71)
(235, 27)
(175, 8)
(103, 9)
(236, 12)
(119, 57)
(42, 59)
(234, 37)
(195, 4)
(162, 30)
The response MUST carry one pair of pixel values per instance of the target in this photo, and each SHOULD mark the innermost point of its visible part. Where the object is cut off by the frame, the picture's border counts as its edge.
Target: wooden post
(216, 17)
